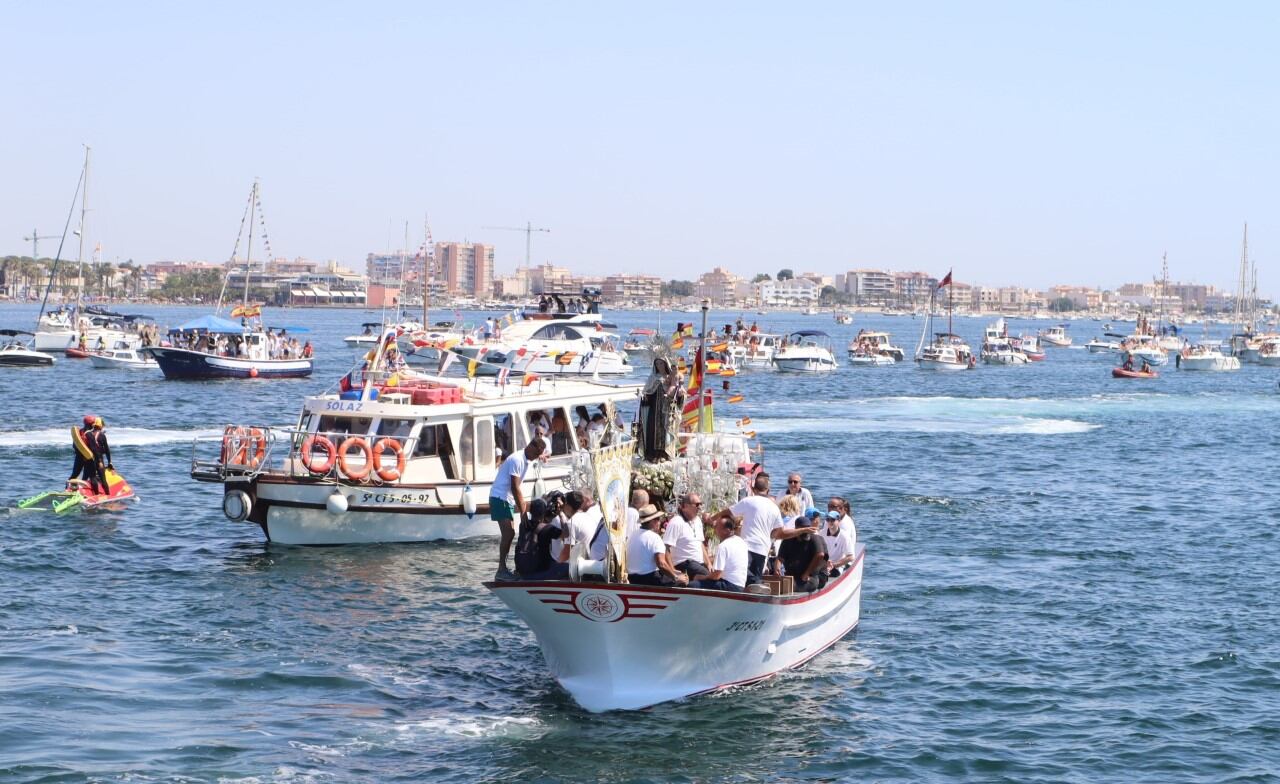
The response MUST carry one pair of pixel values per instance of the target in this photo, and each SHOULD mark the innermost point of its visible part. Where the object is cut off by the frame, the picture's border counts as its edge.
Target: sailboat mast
(84, 210)
(428, 269)
(248, 250)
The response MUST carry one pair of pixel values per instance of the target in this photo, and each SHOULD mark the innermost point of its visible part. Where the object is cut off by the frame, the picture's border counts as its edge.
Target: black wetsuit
(80, 464)
(94, 469)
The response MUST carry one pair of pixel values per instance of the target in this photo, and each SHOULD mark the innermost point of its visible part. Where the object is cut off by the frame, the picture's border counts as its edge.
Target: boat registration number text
(422, 498)
(745, 626)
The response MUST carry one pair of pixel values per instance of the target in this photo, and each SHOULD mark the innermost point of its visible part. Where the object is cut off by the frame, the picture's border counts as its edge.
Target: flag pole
(702, 358)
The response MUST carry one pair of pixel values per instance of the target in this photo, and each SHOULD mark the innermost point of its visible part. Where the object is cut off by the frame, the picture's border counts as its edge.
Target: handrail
(207, 470)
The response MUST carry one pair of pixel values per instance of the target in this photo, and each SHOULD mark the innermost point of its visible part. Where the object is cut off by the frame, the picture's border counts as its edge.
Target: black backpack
(527, 556)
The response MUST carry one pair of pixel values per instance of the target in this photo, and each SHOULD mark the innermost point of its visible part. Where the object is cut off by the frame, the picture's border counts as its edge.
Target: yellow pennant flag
(735, 399)
(744, 421)
(750, 434)
(471, 368)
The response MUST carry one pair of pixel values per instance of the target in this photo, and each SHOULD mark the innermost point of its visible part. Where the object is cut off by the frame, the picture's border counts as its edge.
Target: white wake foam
(117, 436)
(995, 425)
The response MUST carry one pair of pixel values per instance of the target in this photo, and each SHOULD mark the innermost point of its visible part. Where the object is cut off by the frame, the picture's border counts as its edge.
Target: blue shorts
(499, 509)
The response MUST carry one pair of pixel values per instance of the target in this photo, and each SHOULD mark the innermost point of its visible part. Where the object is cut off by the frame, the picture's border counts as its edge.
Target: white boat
(1100, 346)
(1143, 348)
(843, 318)
(1269, 352)
(947, 352)
(563, 344)
(638, 344)
(876, 343)
(997, 349)
(16, 352)
(805, 351)
(62, 330)
(759, 350)
(323, 482)
(123, 355)
(1206, 356)
(623, 647)
(1055, 336)
(370, 336)
(871, 360)
(1030, 347)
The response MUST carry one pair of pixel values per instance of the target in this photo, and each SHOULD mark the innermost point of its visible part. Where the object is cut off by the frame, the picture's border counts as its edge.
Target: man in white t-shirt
(647, 561)
(639, 499)
(685, 542)
(761, 524)
(506, 499)
(586, 524)
(729, 572)
(794, 487)
(839, 544)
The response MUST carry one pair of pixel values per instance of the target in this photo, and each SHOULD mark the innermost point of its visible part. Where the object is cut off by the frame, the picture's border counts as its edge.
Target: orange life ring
(234, 448)
(256, 448)
(355, 443)
(310, 446)
(388, 474)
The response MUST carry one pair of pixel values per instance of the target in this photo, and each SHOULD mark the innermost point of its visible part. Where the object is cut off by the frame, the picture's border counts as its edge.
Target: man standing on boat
(503, 508)
(795, 487)
(761, 524)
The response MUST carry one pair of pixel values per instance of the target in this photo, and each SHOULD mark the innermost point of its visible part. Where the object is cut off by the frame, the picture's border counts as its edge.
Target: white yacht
(759, 350)
(62, 330)
(1055, 336)
(876, 344)
(1206, 356)
(573, 345)
(947, 352)
(997, 349)
(1100, 346)
(1269, 352)
(405, 462)
(805, 351)
(16, 352)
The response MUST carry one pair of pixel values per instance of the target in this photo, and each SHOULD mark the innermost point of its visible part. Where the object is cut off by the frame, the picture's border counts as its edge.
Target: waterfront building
(635, 289)
(797, 292)
(719, 285)
(465, 268)
(869, 286)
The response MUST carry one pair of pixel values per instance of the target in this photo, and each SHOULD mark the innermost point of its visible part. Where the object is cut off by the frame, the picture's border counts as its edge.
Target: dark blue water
(1069, 578)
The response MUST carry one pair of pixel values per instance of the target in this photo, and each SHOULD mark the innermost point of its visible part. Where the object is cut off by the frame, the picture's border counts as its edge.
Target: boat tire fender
(311, 461)
(355, 474)
(237, 505)
(388, 473)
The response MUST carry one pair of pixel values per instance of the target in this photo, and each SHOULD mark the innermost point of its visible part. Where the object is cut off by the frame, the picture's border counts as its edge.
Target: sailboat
(216, 347)
(1246, 343)
(948, 351)
(61, 330)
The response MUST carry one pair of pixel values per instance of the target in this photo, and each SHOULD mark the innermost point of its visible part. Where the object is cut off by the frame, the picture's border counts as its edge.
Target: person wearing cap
(839, 544)
(83, 467)
(101, 452)
(838, 504)
(804, 556)
(647, 561)
(794, 487)
(730, 572)
(686, 545)
(533, 545)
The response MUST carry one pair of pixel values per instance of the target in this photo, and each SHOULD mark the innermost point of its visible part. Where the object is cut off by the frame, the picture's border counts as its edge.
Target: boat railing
(245, 452)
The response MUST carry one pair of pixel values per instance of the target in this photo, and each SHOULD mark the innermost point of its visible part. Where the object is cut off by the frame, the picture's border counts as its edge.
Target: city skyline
(1016, 145)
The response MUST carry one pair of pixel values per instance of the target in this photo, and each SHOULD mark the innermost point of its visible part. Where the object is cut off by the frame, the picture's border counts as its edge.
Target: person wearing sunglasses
(794, 487)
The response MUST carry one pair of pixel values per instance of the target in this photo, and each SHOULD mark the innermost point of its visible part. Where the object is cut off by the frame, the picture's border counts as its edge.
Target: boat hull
(938, 364)
(183, 364)
(112, 363)
(1219, 363)
(624, 647)
(804, 365)
(1122, 373)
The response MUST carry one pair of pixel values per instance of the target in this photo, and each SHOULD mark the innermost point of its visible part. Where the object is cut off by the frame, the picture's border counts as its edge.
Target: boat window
(563, 437)
(396, 428)
(484, 452)
(556, 332)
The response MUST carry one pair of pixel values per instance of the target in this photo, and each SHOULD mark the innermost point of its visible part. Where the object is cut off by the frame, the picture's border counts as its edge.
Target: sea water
(1068, 578)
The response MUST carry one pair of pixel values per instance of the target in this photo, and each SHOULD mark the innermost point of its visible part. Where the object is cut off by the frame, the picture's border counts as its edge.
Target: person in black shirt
(802, 557)
(533, 546)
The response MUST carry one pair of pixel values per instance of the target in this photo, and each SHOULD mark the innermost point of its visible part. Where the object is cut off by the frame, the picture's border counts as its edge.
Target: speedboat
(563, 346)
(1269, 352)
(1206, 356)
(870, 359)
(245, 352)
(1056, 337)
(123, 355)
(372, 333)
(397, 457)
(759, 350)
(947, 352)
(875, 343)
(18, 353)
(1143, 348)
(638, 343)
(1100, 346)
(805, 351)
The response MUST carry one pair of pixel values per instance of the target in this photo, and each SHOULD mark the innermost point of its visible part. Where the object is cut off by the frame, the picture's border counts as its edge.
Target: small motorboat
(77, 495)
(372, 332)
(1029, 345)
(1120, 372)
(18, 353)
(1056, 337)
(123, 355)
(1100, 346)
(871, 359)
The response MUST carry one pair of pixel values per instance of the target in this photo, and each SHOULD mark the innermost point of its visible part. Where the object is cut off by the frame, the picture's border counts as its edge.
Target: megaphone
(581, 566)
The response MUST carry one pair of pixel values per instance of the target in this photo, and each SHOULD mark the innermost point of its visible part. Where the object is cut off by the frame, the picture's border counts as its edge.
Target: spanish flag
(690, 421)
(677, 343)
(713, 367)
(720, 347)
(566, 358)
(687, 330)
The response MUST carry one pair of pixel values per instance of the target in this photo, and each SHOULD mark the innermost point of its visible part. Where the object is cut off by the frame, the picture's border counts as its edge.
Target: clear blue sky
(1018, 142)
